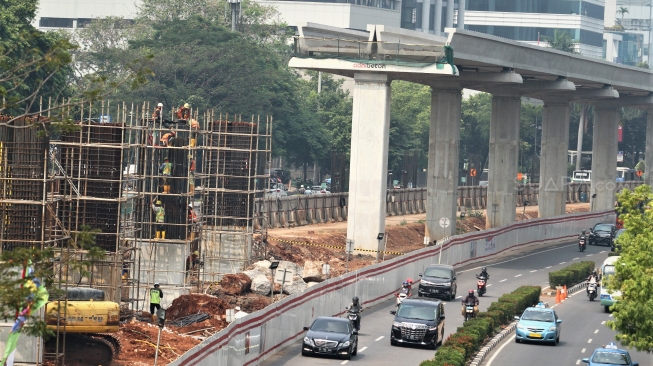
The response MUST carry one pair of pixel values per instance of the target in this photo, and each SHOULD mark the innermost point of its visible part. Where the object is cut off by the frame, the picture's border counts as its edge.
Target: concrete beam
(504, 154)
(604, 158)
(533, 88)
(471, 80)
(644, 101)
(369, 160)
(316, 30)
(444, 144)
(553, 157)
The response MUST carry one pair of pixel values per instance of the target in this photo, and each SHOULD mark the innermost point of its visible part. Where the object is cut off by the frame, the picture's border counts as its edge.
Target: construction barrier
(254, 338)
(326, 207)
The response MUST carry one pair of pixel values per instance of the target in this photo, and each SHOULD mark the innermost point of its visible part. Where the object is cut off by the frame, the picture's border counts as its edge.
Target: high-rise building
(72, 14)
(628, 31)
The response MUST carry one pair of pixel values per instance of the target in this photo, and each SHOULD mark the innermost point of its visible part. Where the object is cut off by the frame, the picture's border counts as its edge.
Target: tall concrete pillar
(449, 23)
(369, 160)
(604, 158)
(460, 22)
(504, 155)
(444, 146)
(648, 157)
(426, 15)
(553, 159)
(437, 22)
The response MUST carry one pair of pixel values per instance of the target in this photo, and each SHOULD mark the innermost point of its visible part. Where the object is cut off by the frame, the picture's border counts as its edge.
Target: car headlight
(435, 327)
(519, 326)
(446, 284)
(396, 324)
(346, 344)
(422, 282)
(308, 341)
(552, 329)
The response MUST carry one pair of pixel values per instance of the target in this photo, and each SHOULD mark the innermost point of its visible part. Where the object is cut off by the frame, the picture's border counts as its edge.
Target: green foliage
(562, 41)
(643, 65)
(641, 165)
(623, 11)
(572, 274)
(475, 214)
(634, 271)
(410, 115)
(463, 345)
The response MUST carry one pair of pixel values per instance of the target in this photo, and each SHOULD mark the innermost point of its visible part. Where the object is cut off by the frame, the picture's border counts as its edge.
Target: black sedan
(330, 337)
(602, 234)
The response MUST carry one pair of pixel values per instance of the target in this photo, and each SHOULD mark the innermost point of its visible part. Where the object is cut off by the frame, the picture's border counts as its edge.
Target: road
(506, 274)
(583, 330)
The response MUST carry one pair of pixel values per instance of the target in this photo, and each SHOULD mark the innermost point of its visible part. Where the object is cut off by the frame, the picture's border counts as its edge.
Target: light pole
(161, 315)
(273, 266)
(235, 7)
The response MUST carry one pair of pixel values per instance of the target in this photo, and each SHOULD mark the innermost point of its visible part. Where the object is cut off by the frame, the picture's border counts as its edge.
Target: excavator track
(95, 349)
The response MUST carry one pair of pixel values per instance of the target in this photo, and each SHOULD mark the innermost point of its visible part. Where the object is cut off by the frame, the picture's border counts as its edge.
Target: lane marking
(459, 297)
(533, 271)
(603, 251)
(562, 262)
(574, 259)
(589, 255)
(488, 285)
(583, 350)
(505, 279)
(519, 275)
(548, 267)
(603, 322)
(362, 349)
(499, 350)
(344, 362)
(378, 339)
(596, 331)
(590, 340)
(610, 316)
(514, 259)
(577, 362)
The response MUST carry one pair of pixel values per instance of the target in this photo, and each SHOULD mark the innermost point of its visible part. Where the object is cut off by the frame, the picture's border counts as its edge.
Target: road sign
(620, 157)
(444, 222)
(472, 172)
(639, 173)
(283, 276)
(427, 240)
(326, 269)
(349, 245)
(463, 179)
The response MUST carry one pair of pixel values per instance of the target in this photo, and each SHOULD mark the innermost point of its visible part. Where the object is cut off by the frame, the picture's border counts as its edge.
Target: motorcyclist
(484, 274)
(406, 288)
(470, 299)
(357, 308)
(593, 278)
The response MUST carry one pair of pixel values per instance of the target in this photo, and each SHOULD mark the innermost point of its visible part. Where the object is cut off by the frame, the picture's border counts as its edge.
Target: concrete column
(504, 155)
(437, 22)
(369, 159)
(460, 22)
(444, 146)
(426, 15)
(449, 23)
(553, 158)
(604, 158)
(648, 157)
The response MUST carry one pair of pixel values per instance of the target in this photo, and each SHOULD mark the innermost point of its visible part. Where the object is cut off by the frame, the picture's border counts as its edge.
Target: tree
(643, 65)
(475, 131)
(562, 41)
(623, 11)
(634, 271)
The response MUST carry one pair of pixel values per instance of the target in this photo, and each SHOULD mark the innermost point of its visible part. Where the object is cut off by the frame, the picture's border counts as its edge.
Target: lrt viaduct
(506, 69)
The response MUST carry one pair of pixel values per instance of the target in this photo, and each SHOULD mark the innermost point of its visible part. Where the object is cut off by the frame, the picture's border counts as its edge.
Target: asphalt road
(506, 274)
(583, 330)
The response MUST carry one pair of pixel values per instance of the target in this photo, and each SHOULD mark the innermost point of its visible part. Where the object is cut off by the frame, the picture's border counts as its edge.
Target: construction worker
(166, 171)
(192, 217)
(155, 300)
(160, 218)
(191, 178)
(192, 260)
(167, 138)
(156, 116)
(184, 112)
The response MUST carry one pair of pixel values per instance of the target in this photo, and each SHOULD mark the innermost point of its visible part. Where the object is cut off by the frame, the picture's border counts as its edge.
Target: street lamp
(523, 214)
(235, 7)
(161, 315)
(273, 267)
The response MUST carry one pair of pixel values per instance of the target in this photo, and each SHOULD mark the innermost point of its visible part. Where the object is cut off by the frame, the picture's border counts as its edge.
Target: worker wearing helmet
(160, 219)
(193, 261)
(156, 116)
(155, 300)
(356, 307)
(184, 112)
(470, 299)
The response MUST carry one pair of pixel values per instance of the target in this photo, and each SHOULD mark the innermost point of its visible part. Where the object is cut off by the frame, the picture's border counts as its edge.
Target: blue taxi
(538, 324)
(610, 355)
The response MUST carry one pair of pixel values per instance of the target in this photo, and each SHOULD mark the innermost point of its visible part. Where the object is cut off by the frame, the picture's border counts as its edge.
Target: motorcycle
(402, 295)
(591, 291)
(469, 312)
(582, 242)
(353, 316)
(480, 285)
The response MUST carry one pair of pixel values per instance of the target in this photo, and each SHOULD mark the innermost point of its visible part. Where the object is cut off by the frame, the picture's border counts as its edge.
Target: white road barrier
(254, 338)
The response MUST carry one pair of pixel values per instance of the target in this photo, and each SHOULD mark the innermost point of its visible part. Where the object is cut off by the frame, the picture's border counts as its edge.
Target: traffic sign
(472, 172)
(463, 179)
(444, 222)
(349, 245)
(427, 240)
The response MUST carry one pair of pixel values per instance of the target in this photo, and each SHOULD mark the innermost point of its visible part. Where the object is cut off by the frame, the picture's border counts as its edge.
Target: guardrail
(299, 210)
(254, 338)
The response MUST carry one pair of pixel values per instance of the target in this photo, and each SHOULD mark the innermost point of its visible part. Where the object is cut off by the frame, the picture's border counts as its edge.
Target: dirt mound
(196, 303)
(235, 284)
(138, 344)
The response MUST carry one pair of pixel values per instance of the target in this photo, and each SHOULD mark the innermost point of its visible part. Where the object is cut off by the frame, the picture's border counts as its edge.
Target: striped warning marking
(331, 246)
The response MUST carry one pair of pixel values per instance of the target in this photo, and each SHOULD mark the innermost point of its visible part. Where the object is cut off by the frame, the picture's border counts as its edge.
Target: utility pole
(235, 9)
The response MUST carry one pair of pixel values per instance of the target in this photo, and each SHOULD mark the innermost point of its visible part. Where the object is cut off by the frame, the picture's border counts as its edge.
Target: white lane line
(577, 362)
(583, 350)
(562, 262)
(596, 331)
(590, 340)
(459, 297)
(603, 322)
(574, 259)
(610, 316)
(344, 362)
(362, 349)
(533, 271)
(488, 285)
(505, 279)
(499, 350)
(517, 258)
(589, 255)
(548, 267)
(378, 339)
(519, 275)
(603, 251)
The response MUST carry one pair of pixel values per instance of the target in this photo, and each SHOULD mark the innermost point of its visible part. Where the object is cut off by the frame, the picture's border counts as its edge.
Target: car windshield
(417, 312)
(603, 227)
(332, 326)
(538, 316)
(610, 358)
(438, 272)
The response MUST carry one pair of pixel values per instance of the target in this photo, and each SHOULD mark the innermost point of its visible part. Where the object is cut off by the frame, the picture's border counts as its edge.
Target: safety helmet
(302, 186)
(158, 202)
(164, 159)
(237, 308)
(611, 345)
(186, 105)
(355, 300)
(190, 205)
(405, 283)
(484, 269)
(594, 272)
(156, 284)
(196, 252)
(160, 105)
(471, 292)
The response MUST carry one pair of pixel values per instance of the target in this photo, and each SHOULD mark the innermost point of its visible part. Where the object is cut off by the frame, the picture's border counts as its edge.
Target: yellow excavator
(85, 323)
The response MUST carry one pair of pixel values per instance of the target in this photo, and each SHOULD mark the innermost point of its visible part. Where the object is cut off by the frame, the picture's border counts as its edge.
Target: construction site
(169, 200)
